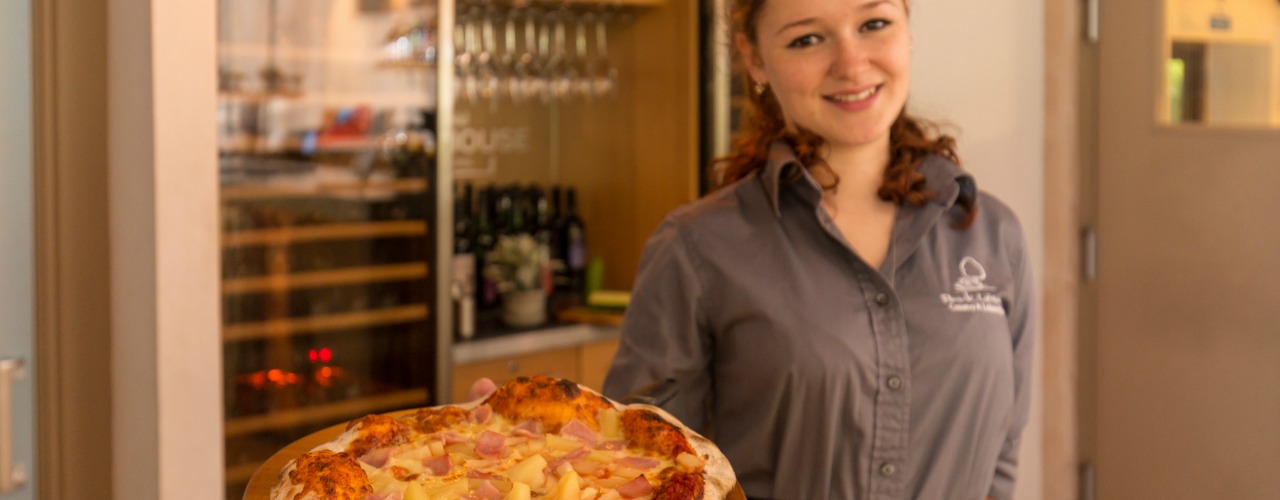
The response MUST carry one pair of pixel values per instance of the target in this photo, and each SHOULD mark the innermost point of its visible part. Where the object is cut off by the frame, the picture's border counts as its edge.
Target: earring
(760, 87)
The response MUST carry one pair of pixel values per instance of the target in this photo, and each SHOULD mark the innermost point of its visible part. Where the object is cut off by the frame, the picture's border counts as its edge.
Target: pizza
(533, 438)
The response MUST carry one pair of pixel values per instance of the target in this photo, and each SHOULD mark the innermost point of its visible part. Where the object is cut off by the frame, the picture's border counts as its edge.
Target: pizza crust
(718, 476)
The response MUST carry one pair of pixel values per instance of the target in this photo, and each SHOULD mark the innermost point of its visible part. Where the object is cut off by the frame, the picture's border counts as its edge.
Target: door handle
(12, 476)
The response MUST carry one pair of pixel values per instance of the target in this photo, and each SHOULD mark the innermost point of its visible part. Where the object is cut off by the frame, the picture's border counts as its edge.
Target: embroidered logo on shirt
(971, 293)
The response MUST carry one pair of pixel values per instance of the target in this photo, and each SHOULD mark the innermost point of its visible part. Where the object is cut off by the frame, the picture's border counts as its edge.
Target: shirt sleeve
(662, 332)
(1023, 329)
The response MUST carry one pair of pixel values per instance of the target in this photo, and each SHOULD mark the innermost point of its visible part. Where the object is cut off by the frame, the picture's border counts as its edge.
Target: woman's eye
(804, 41)
(875, 25)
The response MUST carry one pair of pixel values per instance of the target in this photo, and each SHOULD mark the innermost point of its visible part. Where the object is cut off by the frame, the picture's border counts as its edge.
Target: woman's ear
(750, 58)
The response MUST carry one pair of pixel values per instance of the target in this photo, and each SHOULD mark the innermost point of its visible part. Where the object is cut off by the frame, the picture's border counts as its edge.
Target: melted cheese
(595, 473)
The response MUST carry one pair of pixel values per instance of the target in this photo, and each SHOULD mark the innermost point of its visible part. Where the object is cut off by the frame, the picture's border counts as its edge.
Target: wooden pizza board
(265, 477)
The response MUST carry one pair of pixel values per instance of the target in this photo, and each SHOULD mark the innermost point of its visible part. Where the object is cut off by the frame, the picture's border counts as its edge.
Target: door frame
(72, 285)
(1066, 102)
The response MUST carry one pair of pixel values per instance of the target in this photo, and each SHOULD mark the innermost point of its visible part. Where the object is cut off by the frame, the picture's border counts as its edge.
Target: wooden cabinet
(560, 363)
(593, 362)
(586, 364)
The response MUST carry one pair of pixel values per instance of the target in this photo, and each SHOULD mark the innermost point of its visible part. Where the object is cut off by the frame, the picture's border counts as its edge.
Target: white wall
(979, 65)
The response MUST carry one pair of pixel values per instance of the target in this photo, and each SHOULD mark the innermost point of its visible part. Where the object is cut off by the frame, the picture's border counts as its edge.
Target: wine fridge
(327, 148)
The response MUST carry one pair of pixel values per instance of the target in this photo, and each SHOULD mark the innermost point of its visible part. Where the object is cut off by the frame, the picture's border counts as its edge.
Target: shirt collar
(942, 176)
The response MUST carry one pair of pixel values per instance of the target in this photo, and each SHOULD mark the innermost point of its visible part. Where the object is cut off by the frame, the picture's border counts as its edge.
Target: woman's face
(839, 68)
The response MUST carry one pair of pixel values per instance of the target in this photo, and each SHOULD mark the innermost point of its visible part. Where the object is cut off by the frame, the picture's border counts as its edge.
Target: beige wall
(980, 66)
(162, 184)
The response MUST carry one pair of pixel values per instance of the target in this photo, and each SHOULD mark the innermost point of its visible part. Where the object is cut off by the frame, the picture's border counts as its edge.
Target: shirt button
(888, 470)
(895, 382)
(882, 298)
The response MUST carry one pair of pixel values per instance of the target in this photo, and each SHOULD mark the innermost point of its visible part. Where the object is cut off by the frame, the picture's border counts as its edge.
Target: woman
(847, 317)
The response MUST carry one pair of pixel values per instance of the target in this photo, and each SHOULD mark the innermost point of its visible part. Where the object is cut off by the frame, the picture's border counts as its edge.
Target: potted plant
(515, 265)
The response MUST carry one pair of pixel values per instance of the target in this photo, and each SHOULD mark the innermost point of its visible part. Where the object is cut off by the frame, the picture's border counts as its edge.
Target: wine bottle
(515, 212)
(574, 238)
(560, 277)
(486, 289)
(543, 235)
(502, 204)
(463, 223)
(464, 267)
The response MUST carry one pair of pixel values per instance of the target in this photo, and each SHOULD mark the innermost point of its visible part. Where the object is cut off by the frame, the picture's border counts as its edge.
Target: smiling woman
(838, 69)
(848, 315)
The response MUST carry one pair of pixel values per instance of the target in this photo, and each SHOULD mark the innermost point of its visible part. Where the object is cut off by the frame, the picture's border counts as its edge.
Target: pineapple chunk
(567, 488)
(413, 466)
(561, 443)
(453, 488)
(613, 482)
(415, 491)
(467, 450)
(529, 472)
(384, 483)
(690, 463)
(519, 491)
(611, 425)
(604, 456)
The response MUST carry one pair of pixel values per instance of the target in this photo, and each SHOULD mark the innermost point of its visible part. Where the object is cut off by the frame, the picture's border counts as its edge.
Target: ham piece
(481, 414)
(438, 466)
(377, 458)
(528, 428)
(573, 456)
(490, 444)
(578, 430)
(487, 491)
(637, 488)
(450, 437)
(612, 445)
(638, 463)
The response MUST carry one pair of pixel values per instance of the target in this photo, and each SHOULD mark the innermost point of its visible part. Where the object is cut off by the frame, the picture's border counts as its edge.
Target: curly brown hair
(911, 139)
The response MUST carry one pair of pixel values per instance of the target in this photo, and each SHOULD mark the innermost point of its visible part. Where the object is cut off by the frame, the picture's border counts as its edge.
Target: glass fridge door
(327, 141)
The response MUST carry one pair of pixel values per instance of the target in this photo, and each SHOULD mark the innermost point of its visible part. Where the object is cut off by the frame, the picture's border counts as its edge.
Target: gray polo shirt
(820, 377)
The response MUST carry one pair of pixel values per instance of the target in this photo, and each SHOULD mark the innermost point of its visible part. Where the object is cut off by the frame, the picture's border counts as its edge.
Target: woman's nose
(851, 56)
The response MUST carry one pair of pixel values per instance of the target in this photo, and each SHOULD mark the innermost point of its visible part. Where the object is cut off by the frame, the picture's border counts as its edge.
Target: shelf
(325, 413)
(332, 99)
(334, 277)
(302, 234)
(404, 64)
(311, 324)
(371, 189)
(534, 341)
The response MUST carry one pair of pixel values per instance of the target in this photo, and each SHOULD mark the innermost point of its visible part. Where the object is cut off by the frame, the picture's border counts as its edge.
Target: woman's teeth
(855, 97)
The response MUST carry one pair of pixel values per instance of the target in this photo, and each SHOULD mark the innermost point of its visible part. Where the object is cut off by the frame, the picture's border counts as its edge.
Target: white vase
(524, 308)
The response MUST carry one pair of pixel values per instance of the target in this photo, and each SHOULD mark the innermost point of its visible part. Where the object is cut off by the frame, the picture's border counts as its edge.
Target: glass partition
(327, 165)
